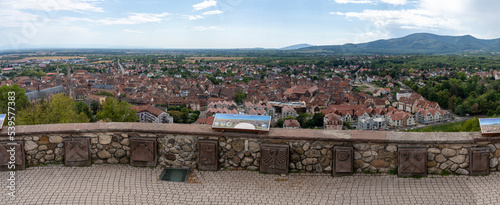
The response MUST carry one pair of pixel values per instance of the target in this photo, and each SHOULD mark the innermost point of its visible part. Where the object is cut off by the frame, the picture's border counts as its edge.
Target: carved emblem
(77, 152)
(479, 161)
(6, 148)
(343, 161)
(142, 152)
(208, 155)
(343, 155)
(412, 161)
(274, 158)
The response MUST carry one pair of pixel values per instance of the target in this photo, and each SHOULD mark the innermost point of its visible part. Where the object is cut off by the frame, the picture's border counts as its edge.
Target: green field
(471, 125)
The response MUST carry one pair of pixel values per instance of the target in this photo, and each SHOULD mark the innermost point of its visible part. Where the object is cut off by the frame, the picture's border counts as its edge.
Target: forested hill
(419, 43)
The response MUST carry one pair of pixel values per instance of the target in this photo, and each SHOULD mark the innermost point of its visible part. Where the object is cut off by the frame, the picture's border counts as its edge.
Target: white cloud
(451, 17)
(371, 36)
(132, 18)
(54, 5)
(394, 2)
(22, 12)
(353, 1)
(212, 12)
(16, 18)
(209, 28)
(427, 15)
(205, 4)
(193, 17)
(132, 31)
(415, 18)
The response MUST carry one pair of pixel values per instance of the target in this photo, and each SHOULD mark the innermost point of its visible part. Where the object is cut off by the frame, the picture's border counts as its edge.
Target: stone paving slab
(123, 184)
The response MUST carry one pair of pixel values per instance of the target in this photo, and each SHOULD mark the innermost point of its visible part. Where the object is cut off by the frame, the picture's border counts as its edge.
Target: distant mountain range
(298, 46)
(418, 43)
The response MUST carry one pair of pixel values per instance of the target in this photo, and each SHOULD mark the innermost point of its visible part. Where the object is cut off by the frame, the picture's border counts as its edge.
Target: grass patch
(393, 171)
(359, 89)
(367, 172)
(471, 125)
(445, 172)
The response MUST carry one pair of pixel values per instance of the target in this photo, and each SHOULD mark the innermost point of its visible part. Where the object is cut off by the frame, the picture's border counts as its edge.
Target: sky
(235, 23)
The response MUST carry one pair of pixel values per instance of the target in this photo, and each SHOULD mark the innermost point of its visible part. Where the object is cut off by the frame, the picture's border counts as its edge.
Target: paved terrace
(274, 133)
(124, 184)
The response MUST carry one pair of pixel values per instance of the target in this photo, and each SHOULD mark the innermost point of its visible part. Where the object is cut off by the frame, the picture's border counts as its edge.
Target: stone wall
(239, 153)
(44, 148)
(309, 150)
(177, 150)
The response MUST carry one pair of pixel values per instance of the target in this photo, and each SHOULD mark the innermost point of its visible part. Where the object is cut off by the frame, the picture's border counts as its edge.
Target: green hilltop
(418, 43)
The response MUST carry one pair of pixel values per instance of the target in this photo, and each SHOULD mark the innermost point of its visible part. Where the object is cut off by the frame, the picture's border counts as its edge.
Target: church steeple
(69, 86)
(58, 77)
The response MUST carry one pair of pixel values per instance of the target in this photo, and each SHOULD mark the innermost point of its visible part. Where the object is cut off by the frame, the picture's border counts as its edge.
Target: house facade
(152, 114)
(332, 121)
(432, 116)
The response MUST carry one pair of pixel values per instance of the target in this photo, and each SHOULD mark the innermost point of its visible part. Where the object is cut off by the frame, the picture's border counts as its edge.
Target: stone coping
(274, 133)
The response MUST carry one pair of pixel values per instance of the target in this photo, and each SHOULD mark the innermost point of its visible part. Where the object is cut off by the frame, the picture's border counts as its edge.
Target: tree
(193, 117)
(115, 111)
(34, 115)
(94, 106)
(239, 97)
(491, 113)
(462, 76)
(317, 119)
(451, 103)
(105, 93)
(443, 98)
(347, 125)
(82, 107)
(471, 125)
(475, 108)
(302, 119)
(280, 123)
(461, 110)
(59, 109)
(176, 115)
(20, 99)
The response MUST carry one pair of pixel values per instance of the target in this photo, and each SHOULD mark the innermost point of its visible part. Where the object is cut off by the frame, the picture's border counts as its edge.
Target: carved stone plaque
(479, 162)
(142, 152)
(208, 155)
(274, 158)
(12, 156)
(77, 152)
(412, 161)
(343, 161)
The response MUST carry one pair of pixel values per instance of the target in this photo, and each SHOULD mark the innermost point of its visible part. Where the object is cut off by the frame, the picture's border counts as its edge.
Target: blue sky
(235, 23)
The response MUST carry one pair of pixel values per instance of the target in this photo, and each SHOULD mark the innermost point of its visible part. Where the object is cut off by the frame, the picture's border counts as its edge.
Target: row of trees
(182, 114)
(305, 120)
(474, 95)
(63, 109)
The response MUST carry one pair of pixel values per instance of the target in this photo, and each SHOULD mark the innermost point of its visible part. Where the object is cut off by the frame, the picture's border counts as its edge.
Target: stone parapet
(177, 145)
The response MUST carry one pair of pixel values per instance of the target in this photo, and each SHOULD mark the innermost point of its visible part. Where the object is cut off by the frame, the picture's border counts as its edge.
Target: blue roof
(34, 95)
(103, 86)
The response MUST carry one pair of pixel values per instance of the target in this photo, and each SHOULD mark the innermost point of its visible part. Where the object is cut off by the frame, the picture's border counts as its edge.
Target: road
(124, 184)
(121, 67)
